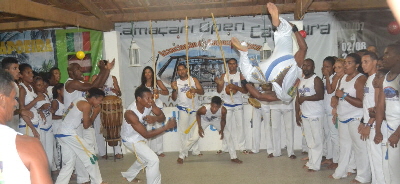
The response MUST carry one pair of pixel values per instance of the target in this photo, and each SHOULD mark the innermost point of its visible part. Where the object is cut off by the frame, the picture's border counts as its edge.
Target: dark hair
(37, 78)
(95, 92)
(144, 78)
(232, 59)
(23, 67)
(216, 100)
(372, 55)
(55, 88)
(312, 61)
(6, 82)
(50, 74)
(140, 91)
(357, 59)
(181, 64)
(8, 61)
(330, 59)
(396, 47)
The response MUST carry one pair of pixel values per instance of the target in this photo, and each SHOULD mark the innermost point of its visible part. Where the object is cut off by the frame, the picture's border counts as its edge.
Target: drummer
(155, 143)
(232, 91)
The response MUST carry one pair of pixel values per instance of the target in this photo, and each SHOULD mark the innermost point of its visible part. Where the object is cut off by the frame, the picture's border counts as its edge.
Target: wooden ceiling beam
(339, 5)
(48, 13)
(25, 25)
(301, 8)
(95, 11)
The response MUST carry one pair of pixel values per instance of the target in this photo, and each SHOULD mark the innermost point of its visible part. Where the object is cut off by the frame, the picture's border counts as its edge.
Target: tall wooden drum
(111, 119)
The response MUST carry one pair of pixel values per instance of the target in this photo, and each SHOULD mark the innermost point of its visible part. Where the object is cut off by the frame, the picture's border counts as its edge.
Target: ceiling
(16, 15)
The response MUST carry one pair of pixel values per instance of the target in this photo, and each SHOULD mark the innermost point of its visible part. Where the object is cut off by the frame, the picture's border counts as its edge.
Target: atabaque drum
(111, 119)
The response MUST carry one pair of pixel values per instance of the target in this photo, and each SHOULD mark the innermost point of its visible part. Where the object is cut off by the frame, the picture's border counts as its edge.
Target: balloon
(80, 55)
(393, 28)
(303, 33)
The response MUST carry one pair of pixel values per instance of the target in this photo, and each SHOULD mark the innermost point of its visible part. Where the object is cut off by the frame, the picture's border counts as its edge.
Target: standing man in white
(233, 102)
(187, 107)
(367, 129)
(19, 163)
(135, 135)
(388, 104)
(310, 98)
(211, 114)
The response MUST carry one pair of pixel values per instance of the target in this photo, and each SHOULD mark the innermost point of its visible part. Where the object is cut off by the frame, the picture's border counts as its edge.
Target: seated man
(282, 68)
(215, 115)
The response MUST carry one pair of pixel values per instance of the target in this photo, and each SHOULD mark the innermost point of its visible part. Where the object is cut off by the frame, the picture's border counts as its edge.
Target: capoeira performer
(57, 109)
(331, 141)
(82, 110)
(19, 163)
(349, 109)
(155, 143)
(10, 65)
(134, 135)
(110, 88)
(74, 88)
(45, 124)
(232, 92)
(215, 115)
(27, 100)
(282, 68)
(310, 101)
(187, 106)
(388, 104)
(367, 130)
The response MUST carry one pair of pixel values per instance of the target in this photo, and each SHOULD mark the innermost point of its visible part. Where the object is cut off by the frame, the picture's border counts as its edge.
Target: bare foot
(236, 160)
(333, 166)
(250, 152)
(273, 10)
(270, 155)
(161, 155)
(311, 170)
(349, 173)
(305, 167)
(305, 159)
(219, 152)
(331, 176)
(180, 161)
(245, 152)
(304, 153)
(355, 181)
(136, 180)
(292, 157)
(236, 44)
(200, 154)
(119, 156)
(104, 156)
(327, 162)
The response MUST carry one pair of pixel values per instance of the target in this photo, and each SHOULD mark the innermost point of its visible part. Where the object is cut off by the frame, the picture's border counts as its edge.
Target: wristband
(244, 82)
(344, 95)
(294, 29)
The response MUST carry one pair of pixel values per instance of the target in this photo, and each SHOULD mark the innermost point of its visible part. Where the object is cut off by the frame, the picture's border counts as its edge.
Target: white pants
(90, 138)
(276, 118)
(304, 147)
(314, 136)
(375, 159)
(265, 111)
(146, 158)
(156, 143)
(101, 143)
(331, 141)
(185, 120)
(235, 126)
(47, 140)
(195, 137)
(393, 155)
(349, 139)
(71, 150)
(256, 129)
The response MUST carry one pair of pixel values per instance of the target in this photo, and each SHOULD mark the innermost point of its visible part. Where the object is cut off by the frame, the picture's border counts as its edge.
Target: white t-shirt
(310, 109)
(127, 132)
(345, 110)
(391, 91)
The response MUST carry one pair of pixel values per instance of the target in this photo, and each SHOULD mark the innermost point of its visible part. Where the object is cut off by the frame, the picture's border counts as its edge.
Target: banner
(35, 47)
(205, 56)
